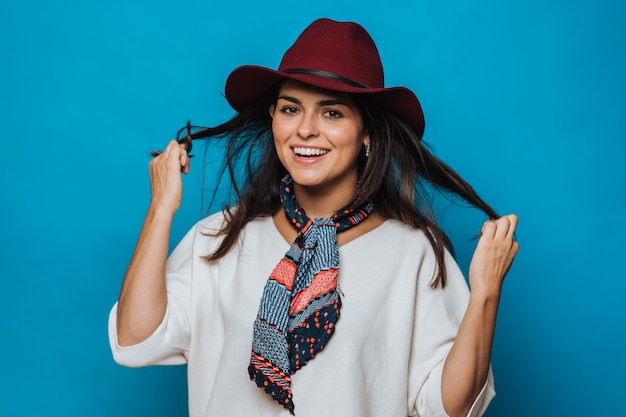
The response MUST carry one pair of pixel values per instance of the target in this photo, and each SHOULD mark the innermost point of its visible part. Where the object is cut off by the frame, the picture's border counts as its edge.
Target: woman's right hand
(165, 177)
(143, 298)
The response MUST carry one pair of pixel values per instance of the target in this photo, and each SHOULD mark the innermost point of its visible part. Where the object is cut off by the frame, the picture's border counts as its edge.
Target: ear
(366, 139)
(271, 110)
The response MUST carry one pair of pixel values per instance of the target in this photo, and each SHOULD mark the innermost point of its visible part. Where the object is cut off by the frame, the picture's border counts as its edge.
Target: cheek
(280, 131)
(349, 139)
(279, 143)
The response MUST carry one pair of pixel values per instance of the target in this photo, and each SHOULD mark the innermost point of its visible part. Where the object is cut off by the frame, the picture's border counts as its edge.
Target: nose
(308, 126)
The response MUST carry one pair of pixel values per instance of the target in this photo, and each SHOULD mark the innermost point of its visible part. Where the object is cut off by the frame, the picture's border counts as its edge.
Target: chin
(306, 181)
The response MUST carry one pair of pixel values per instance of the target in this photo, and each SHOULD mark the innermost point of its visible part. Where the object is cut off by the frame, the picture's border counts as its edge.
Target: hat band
(325, 74)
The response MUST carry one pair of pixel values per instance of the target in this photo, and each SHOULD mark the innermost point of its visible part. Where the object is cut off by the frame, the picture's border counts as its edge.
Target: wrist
(161, 212)
(485, 296)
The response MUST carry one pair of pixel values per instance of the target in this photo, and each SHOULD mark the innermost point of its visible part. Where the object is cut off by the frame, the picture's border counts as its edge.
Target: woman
(333, 164)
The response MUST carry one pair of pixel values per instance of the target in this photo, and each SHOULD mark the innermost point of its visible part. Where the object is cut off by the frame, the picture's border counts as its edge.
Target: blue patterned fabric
(300, 304)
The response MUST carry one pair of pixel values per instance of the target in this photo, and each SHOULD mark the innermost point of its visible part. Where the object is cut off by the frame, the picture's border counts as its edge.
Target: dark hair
(395, 176)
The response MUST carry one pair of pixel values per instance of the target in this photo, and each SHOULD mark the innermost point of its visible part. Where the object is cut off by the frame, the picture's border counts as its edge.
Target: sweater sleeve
(439, 313)
(169, 343)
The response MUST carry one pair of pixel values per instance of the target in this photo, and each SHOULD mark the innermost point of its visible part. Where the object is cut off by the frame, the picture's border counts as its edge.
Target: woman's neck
(323, 202)
(289, 233)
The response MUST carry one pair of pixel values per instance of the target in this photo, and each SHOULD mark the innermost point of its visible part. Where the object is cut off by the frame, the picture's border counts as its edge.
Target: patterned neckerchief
(300, 304)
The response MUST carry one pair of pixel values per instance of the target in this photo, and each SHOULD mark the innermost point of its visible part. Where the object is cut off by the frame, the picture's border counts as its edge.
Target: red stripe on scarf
(284, 273)
(323, 282)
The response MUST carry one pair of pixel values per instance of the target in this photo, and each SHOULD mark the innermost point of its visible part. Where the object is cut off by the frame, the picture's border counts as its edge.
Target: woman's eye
(333, 114)
(289, 110)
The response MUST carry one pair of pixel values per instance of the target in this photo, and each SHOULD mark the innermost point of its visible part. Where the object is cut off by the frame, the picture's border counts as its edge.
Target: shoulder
(394, 244)
(210, 231)
(409, 237)
(409, 246)
(212, 224)
(215, 222)
(202, 238)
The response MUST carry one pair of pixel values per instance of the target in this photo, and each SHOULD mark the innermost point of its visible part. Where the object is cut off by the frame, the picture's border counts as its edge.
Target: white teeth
(309, 151)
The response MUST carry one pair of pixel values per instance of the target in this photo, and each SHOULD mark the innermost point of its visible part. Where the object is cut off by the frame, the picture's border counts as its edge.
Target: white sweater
(384, 360)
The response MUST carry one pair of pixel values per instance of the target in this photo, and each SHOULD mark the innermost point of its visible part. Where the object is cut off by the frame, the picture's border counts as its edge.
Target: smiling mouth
(309, 151)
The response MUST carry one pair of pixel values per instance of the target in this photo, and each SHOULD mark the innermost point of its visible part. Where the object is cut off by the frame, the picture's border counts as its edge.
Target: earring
(367, 150)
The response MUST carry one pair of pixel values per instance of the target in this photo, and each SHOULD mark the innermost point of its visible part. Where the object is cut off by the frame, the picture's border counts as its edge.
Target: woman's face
(318, 135)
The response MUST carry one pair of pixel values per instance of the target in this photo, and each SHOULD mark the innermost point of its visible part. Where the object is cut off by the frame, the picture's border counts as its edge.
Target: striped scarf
(300, 304)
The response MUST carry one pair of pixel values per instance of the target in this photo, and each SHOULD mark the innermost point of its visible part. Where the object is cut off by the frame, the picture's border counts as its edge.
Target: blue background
(524, 98)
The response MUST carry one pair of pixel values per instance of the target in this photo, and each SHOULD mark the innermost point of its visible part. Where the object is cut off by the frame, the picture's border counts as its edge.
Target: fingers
(488, 229)
(494, 255)
(502, 228)
(512, 226)
(184, 160)
(165, 177)
(176, 155)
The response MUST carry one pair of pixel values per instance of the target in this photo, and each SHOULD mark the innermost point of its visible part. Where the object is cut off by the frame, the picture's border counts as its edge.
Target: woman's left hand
(493, 256)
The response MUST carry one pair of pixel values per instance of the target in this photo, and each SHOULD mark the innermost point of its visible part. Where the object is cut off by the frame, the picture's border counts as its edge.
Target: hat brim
(246, 84)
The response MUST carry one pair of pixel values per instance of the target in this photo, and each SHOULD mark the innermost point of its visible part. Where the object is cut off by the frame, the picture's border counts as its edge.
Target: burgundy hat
(337, 56)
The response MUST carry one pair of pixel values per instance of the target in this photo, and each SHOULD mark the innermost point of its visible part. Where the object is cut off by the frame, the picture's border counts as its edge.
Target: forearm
(143, 298)
(467, 365)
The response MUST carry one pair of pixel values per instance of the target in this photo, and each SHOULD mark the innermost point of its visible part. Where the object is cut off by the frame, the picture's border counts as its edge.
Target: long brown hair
(395, 176)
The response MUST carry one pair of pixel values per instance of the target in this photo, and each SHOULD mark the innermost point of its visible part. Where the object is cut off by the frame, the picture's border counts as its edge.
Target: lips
(309, 152)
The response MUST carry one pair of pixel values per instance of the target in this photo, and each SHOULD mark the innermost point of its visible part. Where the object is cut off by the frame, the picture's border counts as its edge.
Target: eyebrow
(331, 102)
